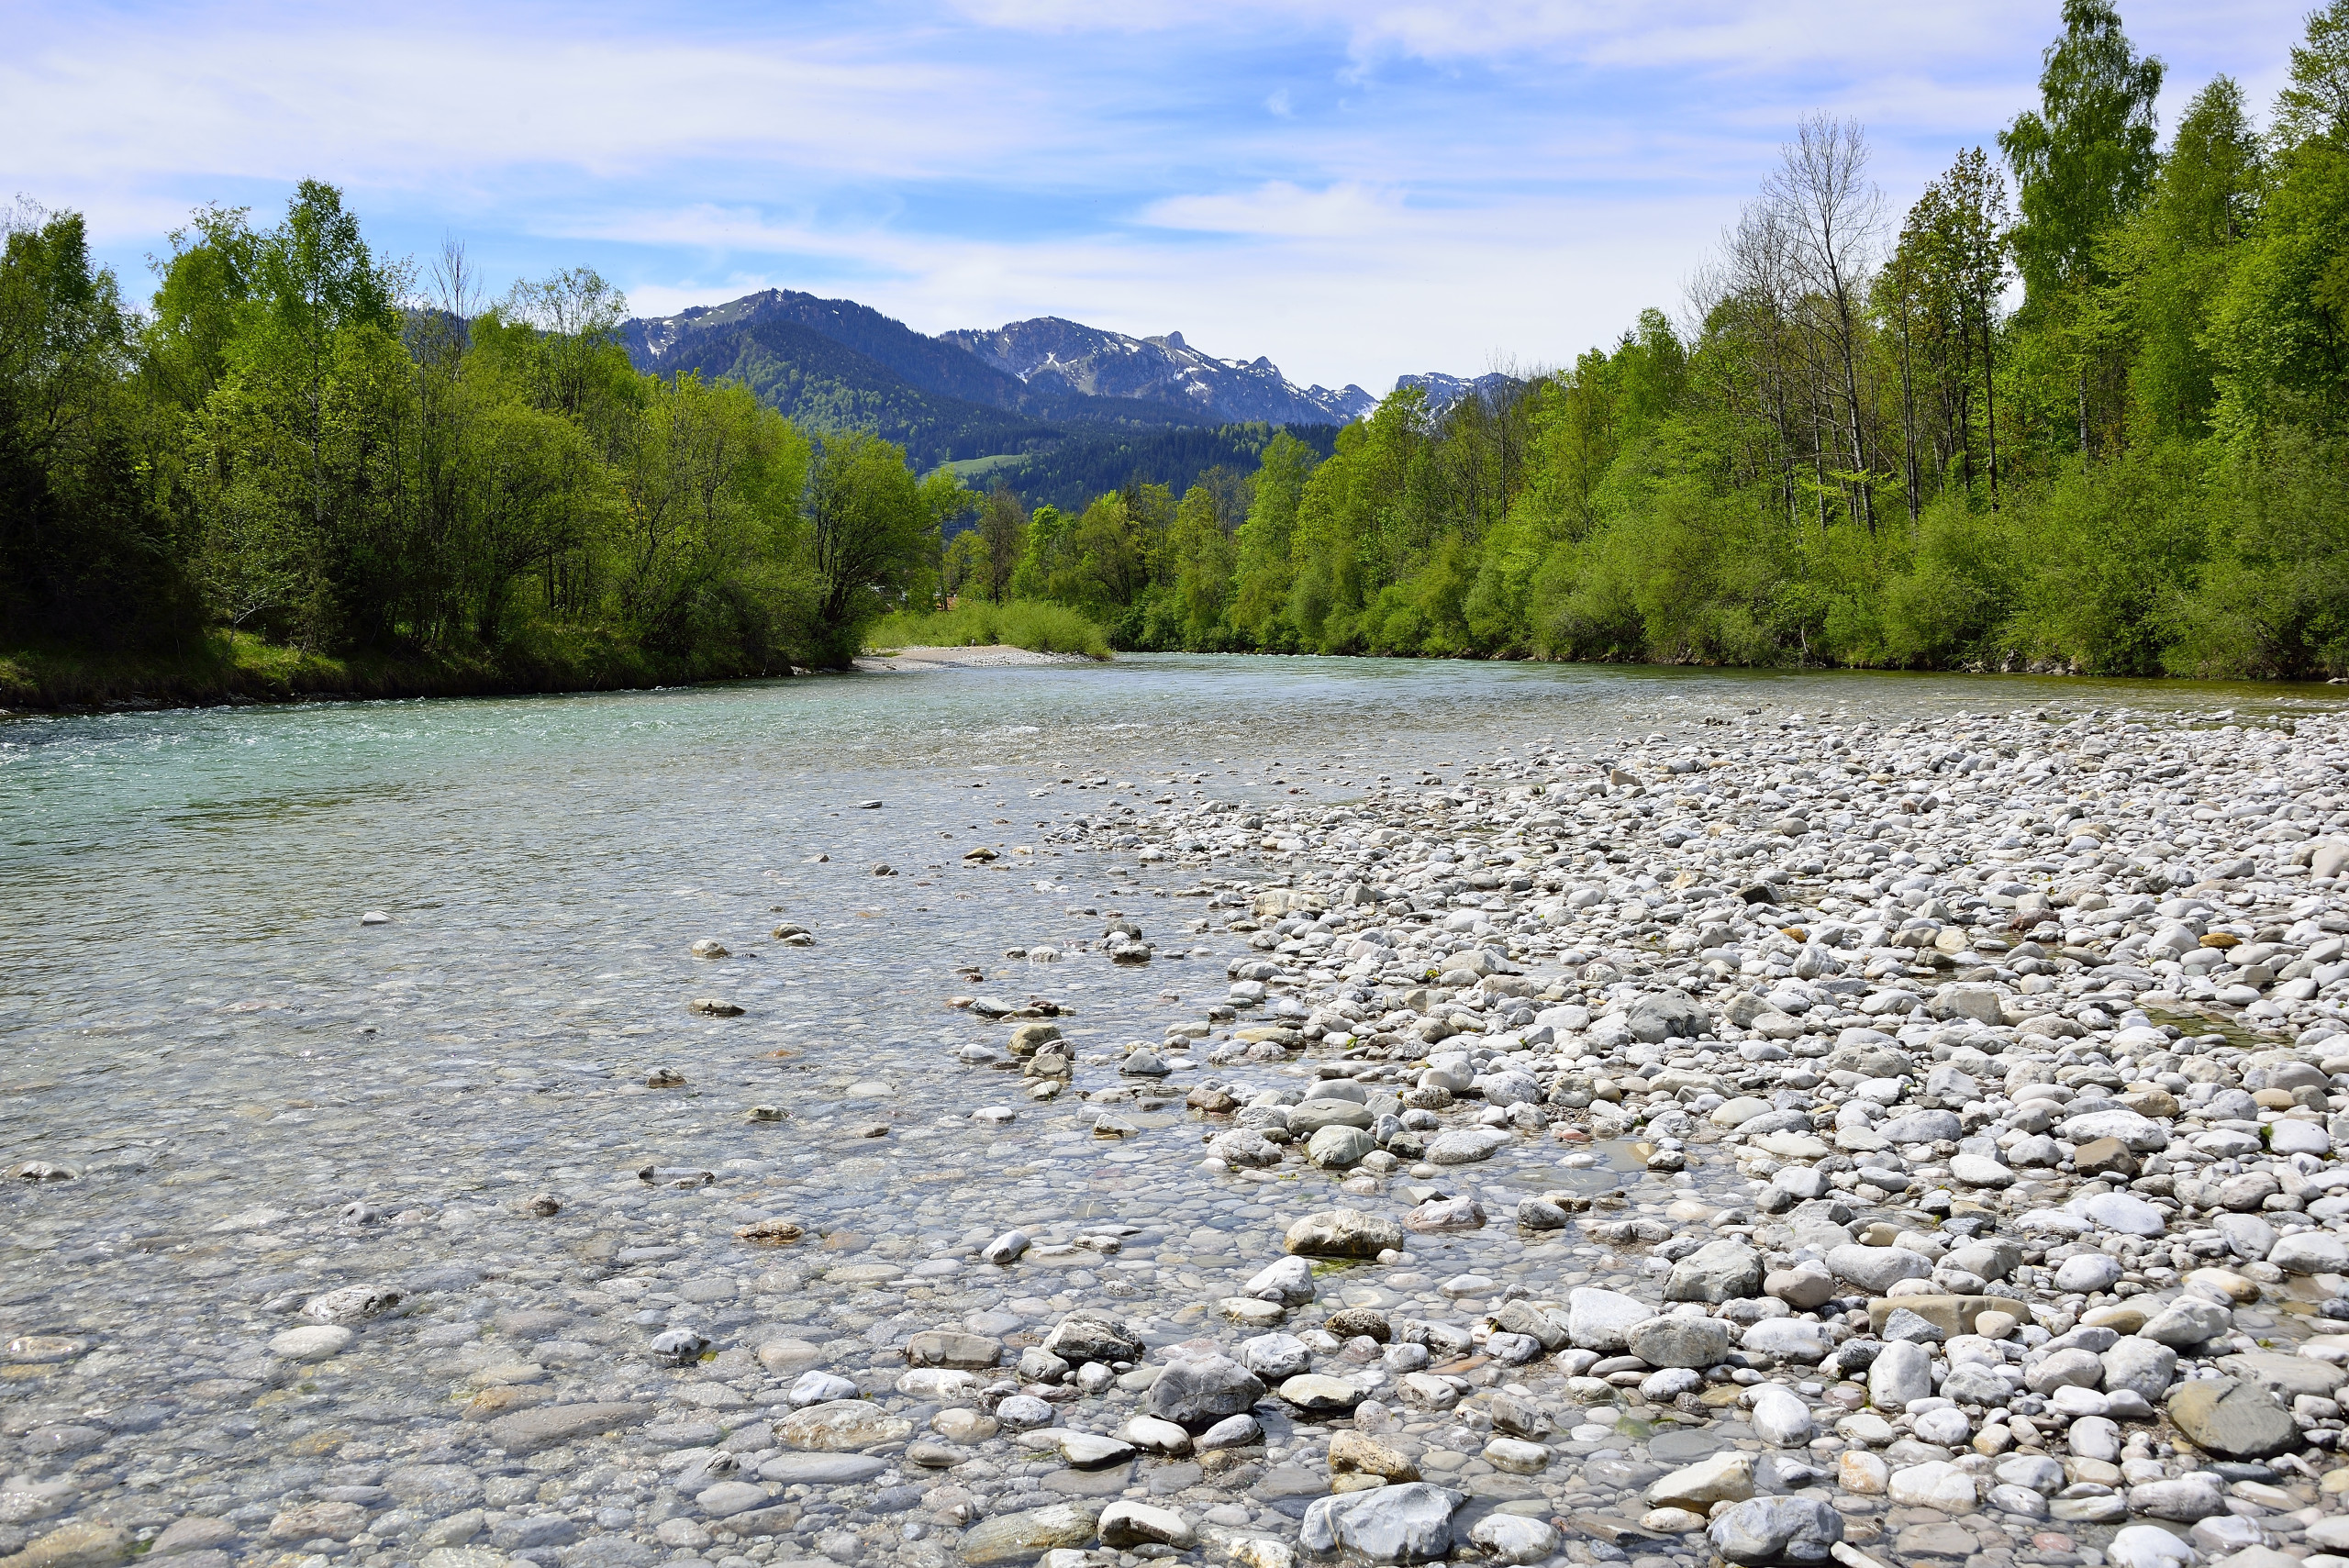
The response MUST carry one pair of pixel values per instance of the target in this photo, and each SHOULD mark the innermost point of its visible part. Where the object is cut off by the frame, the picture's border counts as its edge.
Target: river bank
(1531, 1088)
(229, 669)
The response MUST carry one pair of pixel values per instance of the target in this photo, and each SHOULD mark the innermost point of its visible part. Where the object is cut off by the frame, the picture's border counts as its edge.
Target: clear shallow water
(191, 1016)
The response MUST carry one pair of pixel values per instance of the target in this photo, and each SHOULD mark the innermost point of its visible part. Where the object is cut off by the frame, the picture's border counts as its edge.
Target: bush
(1021, 623)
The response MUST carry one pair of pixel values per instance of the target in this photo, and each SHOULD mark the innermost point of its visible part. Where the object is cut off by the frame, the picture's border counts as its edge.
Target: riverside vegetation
(283, 477)
(1866, 1139)
(1850, 451)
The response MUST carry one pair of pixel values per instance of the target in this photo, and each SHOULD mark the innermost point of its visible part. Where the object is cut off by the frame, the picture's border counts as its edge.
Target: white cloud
(1353, 189)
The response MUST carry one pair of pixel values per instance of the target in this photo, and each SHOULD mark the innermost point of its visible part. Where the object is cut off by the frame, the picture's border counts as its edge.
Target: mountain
(1443, 391)
(816, 382)
(1048, 352)
(1024, 388)
(836, 364)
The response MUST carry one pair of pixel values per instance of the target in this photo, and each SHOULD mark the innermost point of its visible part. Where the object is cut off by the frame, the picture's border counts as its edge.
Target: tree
(203, 303)
(83, 550)
(2172, 258)
(1830, 212)
(2087, 157)
(2082, 163)
(871, 527)
(1002, 533)
(2316, 104)
(1940, 294)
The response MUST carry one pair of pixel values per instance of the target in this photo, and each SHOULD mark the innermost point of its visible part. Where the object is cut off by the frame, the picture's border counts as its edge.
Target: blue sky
(1355, 189)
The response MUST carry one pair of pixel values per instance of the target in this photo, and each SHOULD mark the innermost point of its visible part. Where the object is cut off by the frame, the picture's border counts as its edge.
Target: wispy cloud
(1354, 187)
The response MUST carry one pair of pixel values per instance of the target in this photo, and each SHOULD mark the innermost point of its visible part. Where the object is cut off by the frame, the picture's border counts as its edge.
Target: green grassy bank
(1038, 628)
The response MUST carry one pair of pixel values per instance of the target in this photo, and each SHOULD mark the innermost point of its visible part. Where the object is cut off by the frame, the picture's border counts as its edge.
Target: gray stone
(2247, 1236)
(1780, 1417)
(528, 1431)
(1465, 1145)
(1669, 1014)
(1305, 1120)
(821, 1469)
(1513, 1538)
(2139, 1133)
(2186, 1498)
(1602, 1321)
(2232, 1419)
(1288, 1281)
(1920, 1127)
(2146, 1367)
(1084, 1336)
(1406, 1523)
(1877, 1269)
(2187, 1322)
(2125, 1212)
(1343, 1233)
(948, 1347)
(1338, 1148)
(1777, 1530)
(1024, 1537)
(1198, 1391)
(1679, 1341)
(1902, 1371)
(1726, 1270)
(2310, 1252)
(1276, 1356)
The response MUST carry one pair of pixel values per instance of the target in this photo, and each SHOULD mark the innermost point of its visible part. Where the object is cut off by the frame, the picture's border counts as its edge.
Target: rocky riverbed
(1877, 1144)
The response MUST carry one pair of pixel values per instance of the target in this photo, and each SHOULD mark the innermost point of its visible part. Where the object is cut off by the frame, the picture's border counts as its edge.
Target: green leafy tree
(872, 529)
(2315, 105)
(2082, 162)
(84, 552)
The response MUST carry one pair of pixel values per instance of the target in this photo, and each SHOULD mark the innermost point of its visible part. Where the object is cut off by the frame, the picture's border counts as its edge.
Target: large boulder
(1726, 1270)
(1679, 1341)
(1409, 1523)
(1084, 1336)
(1777, 1530)
(1198, 1391)
(1023, 1538)
(2232, 1419)
(1343, 1233)
(1602, 1321)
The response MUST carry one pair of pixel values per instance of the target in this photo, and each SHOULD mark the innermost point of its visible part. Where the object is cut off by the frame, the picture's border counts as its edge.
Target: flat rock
(821, 1469)
(527, 1431)
(2232, 1419)
(839, 1425)
(1024, 1537)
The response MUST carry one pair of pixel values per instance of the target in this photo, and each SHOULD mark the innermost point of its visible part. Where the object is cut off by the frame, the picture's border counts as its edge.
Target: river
(256, 1097)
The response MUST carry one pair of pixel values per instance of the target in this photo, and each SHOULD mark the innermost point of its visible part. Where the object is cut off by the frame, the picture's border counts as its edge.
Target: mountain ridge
(1024, 388)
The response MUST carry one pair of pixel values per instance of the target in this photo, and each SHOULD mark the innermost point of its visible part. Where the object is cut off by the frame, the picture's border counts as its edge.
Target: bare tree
(1834, 217)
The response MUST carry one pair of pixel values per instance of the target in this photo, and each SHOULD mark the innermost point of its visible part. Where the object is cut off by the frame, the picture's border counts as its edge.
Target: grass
(1040, 629)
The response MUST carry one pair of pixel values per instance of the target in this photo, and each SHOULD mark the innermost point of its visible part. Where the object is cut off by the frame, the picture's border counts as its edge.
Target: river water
(196, 1025)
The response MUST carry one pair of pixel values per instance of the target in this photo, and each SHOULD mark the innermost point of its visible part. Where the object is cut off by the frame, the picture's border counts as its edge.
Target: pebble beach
(1761, 1139)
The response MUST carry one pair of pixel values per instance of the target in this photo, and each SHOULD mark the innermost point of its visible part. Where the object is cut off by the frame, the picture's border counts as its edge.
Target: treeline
(304, 443)
(1070, 472)
(1850, 450)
